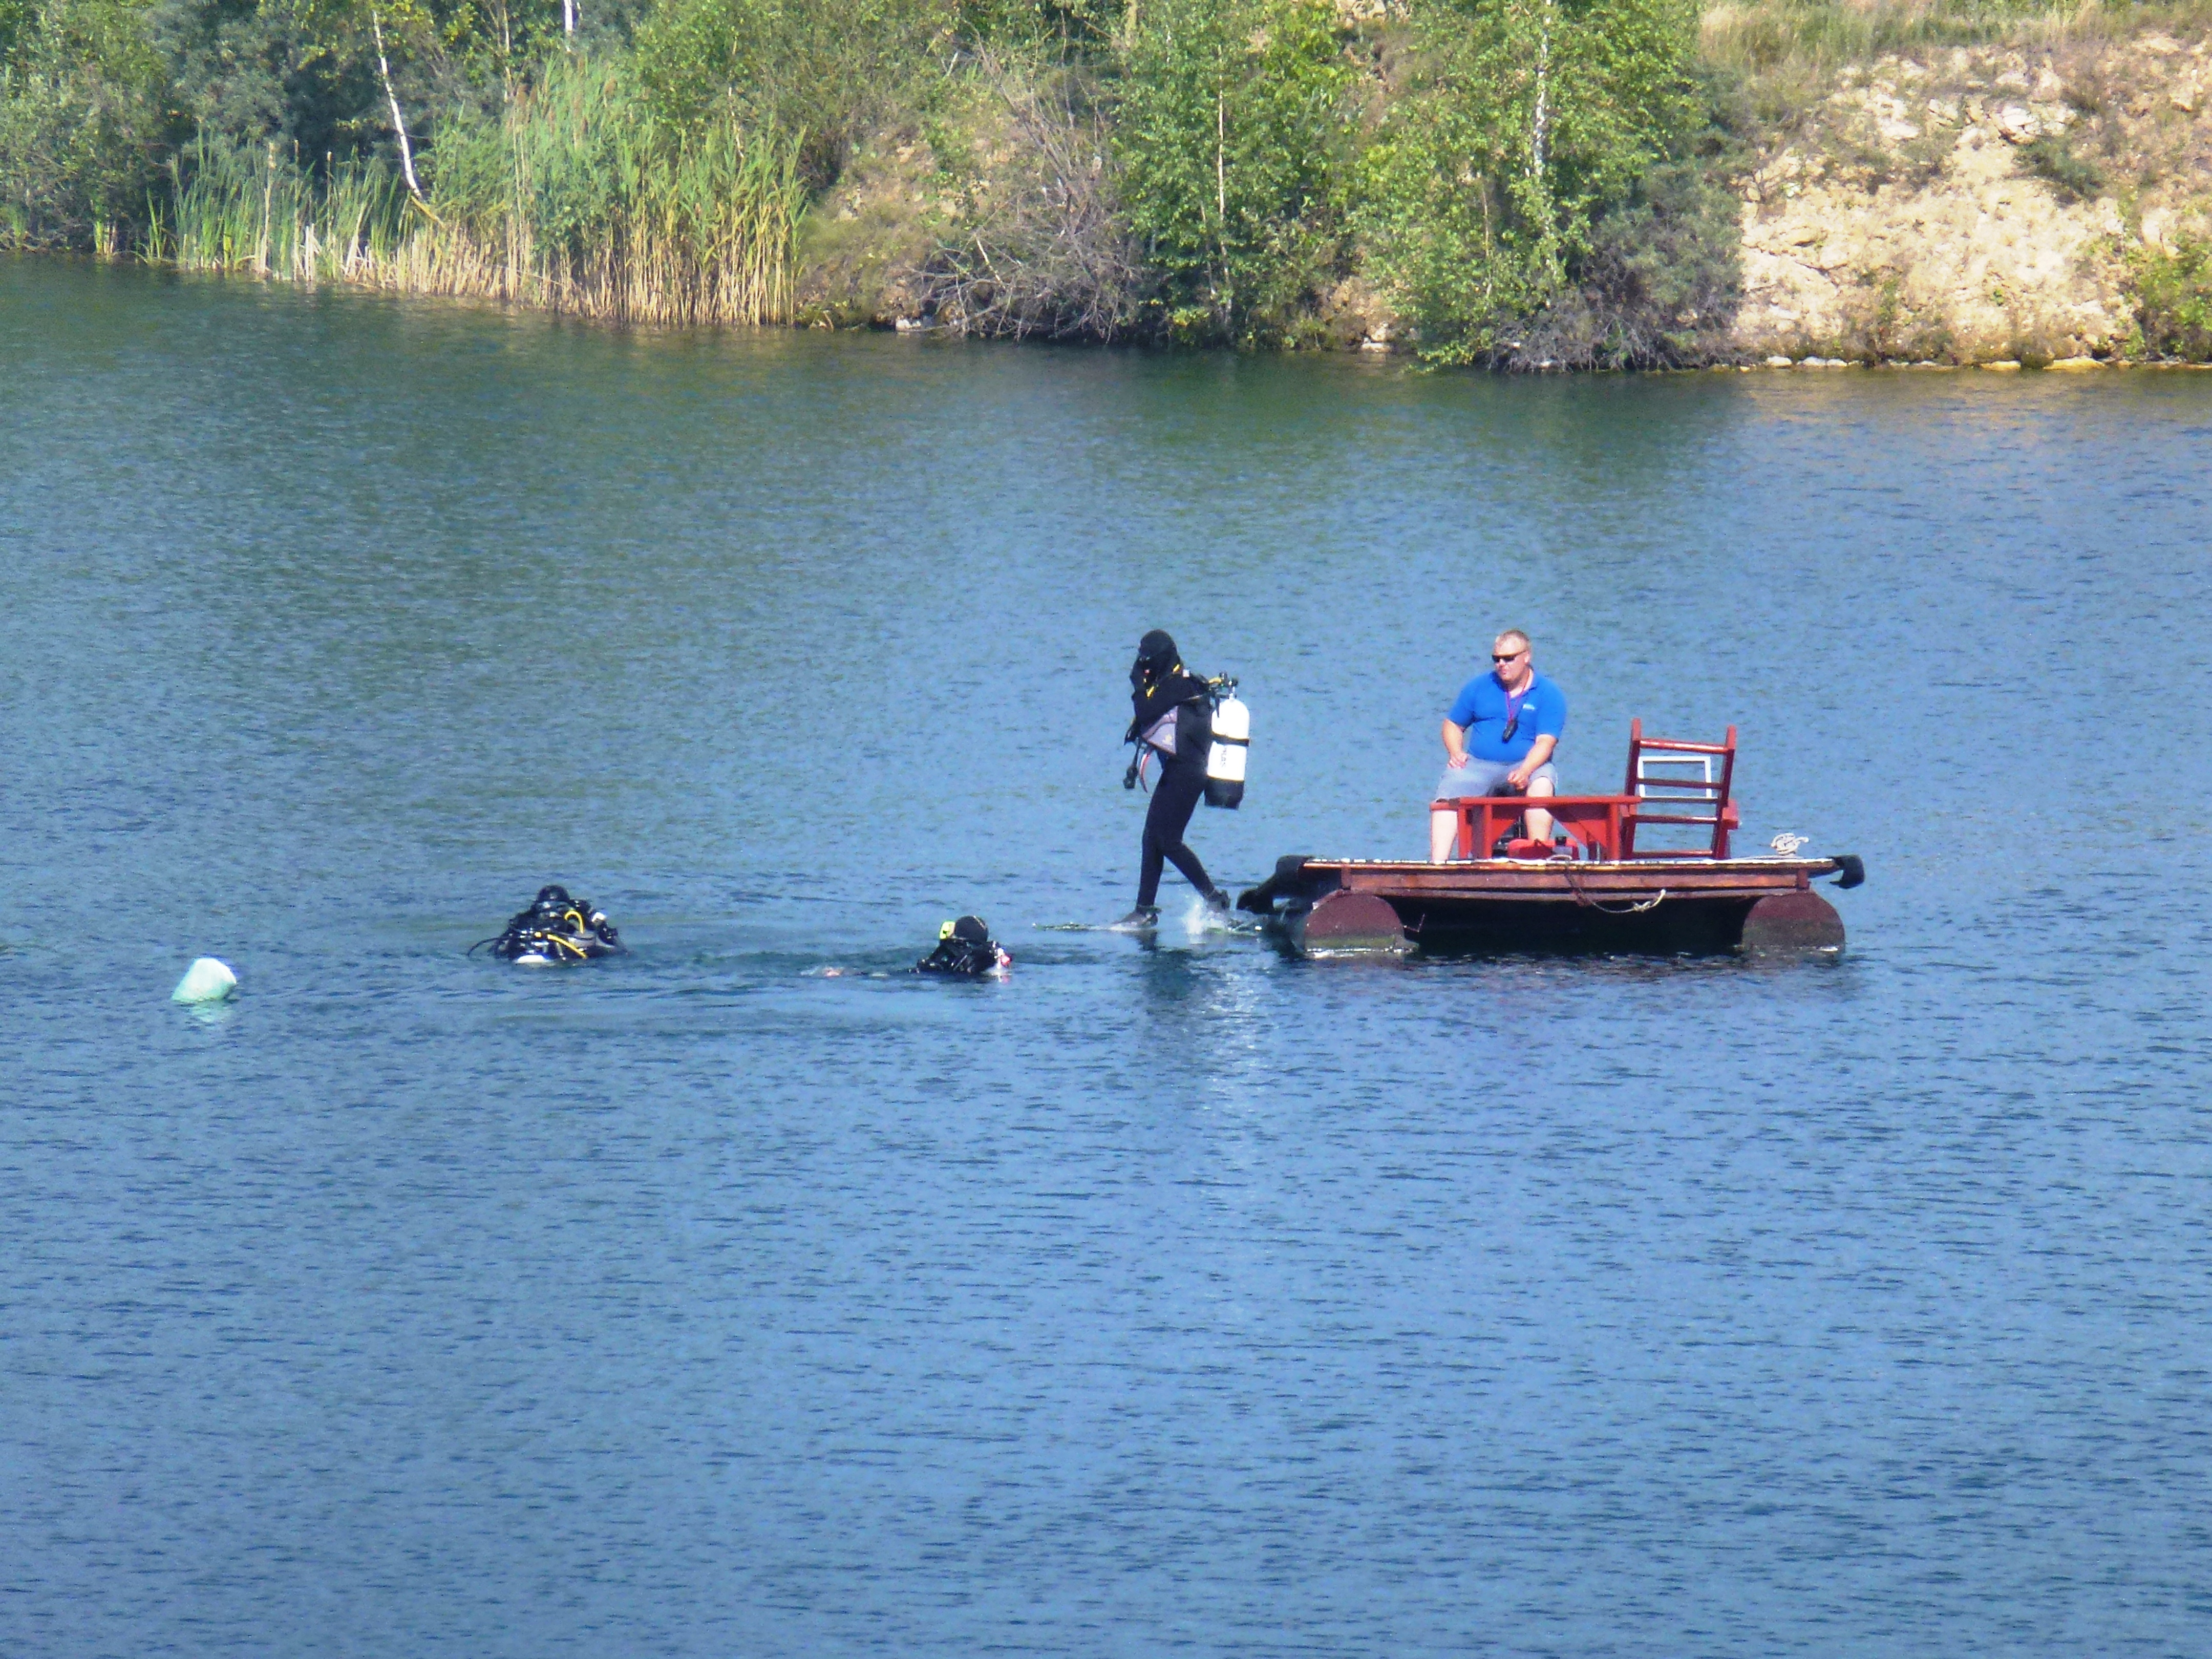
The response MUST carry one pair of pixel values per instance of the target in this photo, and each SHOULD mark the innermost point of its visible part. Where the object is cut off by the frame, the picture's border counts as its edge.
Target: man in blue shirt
(1498, 740)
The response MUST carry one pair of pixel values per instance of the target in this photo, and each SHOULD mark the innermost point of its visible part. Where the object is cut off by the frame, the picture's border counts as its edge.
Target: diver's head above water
(965, 949)
(1157, 658)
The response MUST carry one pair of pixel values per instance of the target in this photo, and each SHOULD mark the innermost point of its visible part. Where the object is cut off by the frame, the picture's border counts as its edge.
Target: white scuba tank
(1225, 761)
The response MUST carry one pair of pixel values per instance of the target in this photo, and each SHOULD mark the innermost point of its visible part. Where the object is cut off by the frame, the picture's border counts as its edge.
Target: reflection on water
(1166, 1295)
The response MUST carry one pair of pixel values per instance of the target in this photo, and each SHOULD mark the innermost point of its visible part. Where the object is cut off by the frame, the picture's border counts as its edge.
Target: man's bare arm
(1455, 744)
(1519, 776)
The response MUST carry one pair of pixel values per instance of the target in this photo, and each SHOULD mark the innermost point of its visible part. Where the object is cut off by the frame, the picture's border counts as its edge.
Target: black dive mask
(1156, 656)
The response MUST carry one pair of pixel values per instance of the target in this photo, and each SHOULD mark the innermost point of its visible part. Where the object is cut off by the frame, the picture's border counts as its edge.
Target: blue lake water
(1169, 1297)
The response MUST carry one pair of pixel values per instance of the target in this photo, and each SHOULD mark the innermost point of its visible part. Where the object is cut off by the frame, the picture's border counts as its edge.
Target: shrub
(1046, 249)
(79, 121)
(2053, 159)
(1232, 135)
(1657, 287)
(1528, 123)
(824, 69)
(2171, 289)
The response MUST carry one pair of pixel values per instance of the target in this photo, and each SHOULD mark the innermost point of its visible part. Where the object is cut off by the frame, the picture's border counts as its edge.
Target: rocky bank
(1977, 205)
(1980, 204)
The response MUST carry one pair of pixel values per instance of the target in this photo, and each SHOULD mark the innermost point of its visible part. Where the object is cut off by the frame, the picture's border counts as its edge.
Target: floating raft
(1328, 907)
(1591, 888)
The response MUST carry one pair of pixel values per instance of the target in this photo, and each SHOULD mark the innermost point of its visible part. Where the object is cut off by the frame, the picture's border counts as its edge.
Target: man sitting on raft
(1498, 740)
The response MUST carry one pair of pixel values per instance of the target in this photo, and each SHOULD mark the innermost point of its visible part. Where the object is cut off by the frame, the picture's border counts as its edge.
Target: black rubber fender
(1260, 900)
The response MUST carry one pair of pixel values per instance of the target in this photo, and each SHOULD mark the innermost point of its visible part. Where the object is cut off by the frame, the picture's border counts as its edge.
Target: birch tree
(1525, 121)
(1232, 135)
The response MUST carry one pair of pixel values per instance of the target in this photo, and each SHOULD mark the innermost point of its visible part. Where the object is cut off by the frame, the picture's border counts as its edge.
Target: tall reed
(581, 199)
(239, 209)
(577, 199)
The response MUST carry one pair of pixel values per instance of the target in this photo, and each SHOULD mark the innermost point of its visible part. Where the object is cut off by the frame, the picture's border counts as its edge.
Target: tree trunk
(1540, 127)
(398, 121)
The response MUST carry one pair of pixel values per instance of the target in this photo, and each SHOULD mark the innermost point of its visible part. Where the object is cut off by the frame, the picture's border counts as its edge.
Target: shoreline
(920, 332)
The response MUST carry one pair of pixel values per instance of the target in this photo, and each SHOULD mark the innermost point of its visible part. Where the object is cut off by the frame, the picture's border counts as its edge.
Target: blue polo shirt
(1483, 707)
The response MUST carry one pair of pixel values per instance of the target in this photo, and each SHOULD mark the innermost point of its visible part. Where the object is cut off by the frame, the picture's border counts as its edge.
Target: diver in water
(1175, 721)
(965, 949)
(555, 929)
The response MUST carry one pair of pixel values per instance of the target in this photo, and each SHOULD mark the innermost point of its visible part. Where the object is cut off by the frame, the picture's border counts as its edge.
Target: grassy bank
(1522, 183)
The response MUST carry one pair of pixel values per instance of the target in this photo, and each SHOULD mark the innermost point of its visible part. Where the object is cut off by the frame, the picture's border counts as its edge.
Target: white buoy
(205, 981)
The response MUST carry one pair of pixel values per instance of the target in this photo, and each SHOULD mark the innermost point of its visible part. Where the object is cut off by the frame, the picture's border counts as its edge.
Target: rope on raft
(1634, 908)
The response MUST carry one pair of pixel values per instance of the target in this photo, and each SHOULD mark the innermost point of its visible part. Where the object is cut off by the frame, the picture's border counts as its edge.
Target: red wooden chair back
(1702, 802)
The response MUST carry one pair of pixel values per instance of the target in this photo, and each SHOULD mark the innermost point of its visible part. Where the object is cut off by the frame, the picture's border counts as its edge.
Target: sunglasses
(1508, 657)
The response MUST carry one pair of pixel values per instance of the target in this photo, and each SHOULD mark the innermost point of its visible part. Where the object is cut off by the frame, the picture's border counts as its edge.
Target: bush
(2172, 292)
(824, 69)
(81, 122)
(1046, 249)
(1525, 124)
(1232, 135)
(1658, 286)
(2051, 158)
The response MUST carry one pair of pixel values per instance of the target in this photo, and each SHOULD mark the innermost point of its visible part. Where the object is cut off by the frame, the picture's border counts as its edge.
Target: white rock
(2018, 125)
(1779, 362)
(205, 981)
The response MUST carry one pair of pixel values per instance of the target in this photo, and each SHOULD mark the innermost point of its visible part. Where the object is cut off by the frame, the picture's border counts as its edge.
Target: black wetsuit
(1159, 682)
(1174, 798)
(965, 949)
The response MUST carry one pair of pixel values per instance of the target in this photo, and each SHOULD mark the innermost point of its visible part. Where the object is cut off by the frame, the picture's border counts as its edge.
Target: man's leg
(1443, 836)
(1540, 823)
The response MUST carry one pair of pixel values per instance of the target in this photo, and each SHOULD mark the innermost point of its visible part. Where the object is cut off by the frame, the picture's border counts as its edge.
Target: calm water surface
(1173, 1299)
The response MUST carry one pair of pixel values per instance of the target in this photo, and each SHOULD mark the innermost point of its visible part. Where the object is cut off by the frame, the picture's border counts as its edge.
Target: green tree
(81, 120)
(1233, 128)
(1525, 123)
(824, 68)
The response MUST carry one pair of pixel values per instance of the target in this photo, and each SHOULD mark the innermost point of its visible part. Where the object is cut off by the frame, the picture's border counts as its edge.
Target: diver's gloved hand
(1129, 777)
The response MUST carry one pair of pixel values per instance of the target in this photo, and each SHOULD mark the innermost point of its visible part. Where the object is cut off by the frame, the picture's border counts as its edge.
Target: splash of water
(1198, 920)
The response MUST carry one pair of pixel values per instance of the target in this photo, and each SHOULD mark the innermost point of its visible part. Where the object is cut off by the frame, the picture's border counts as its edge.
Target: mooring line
(1634, 908)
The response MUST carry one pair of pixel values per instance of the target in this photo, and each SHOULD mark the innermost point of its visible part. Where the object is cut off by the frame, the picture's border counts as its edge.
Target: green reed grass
(577, 199)
(581, 198)
(261, 211)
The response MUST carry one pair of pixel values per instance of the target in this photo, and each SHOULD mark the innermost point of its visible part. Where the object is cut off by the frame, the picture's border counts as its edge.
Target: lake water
(1169, 1297)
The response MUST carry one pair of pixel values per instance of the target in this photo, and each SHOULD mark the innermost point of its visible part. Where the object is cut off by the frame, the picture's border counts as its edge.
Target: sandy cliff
(1976, 205)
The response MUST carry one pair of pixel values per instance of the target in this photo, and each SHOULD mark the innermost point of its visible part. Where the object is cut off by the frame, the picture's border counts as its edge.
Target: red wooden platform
(1596, 888)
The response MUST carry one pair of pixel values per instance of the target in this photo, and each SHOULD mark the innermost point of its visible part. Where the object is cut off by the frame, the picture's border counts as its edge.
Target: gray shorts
(1482, 777)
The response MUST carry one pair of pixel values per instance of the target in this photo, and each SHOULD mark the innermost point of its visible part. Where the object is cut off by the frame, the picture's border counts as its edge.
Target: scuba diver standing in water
(1175, 721)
